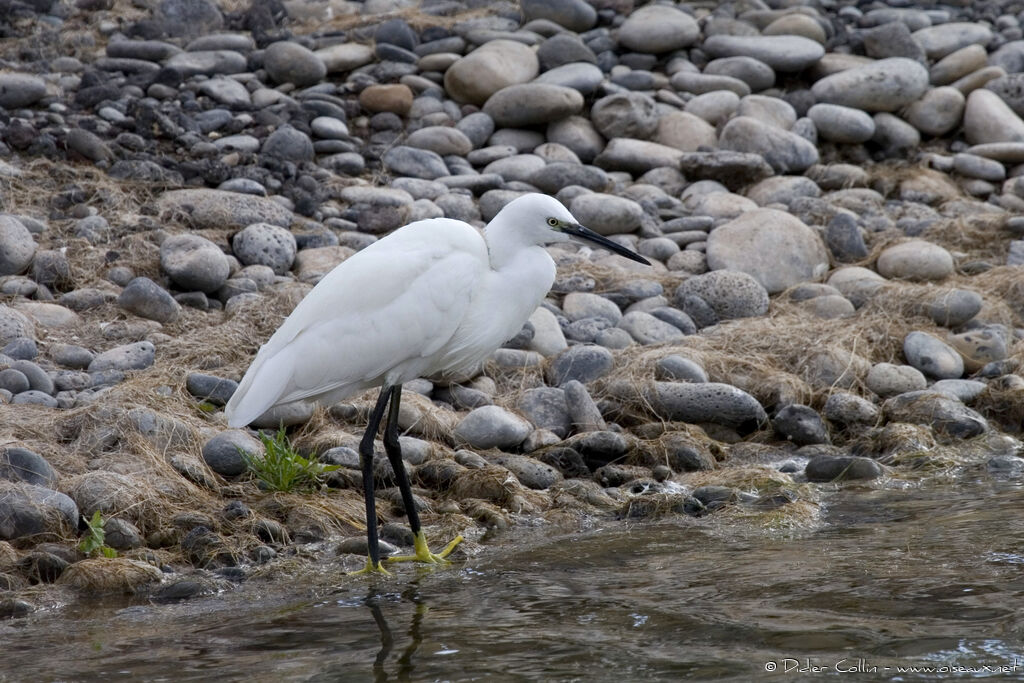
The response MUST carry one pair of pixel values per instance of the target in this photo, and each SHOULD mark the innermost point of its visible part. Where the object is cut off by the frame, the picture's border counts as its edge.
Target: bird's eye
(553, 222)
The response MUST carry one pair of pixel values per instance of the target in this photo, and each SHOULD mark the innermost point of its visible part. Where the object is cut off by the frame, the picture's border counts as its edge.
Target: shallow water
(894, 578)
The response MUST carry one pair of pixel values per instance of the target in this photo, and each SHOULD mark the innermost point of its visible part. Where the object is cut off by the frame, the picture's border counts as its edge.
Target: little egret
(433, 297)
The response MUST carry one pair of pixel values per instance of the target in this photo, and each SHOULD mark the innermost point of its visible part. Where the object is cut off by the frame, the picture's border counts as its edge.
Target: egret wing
(395, 304)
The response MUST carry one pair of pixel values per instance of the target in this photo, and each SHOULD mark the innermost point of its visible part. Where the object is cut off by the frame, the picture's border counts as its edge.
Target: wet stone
(831, 468)
(800, 424)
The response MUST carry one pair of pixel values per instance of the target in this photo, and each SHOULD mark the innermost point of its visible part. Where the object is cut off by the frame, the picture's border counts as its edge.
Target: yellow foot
(423, 553)
(371, 568)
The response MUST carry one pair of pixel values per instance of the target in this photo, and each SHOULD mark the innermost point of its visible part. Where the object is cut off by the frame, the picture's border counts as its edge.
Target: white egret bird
(433, 297)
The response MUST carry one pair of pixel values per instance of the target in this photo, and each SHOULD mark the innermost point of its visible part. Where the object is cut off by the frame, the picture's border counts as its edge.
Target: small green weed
(95, 539)
(281, 468)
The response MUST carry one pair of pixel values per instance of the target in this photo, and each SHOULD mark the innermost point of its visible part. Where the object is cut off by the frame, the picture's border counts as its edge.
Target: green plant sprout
(281, 468)
(95, 539)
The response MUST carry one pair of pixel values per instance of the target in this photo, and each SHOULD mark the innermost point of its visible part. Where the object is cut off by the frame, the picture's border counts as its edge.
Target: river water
(891, 578)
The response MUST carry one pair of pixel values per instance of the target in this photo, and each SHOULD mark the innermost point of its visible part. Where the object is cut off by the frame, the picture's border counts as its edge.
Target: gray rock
(37, 378)
(800, 424)
(842, 124)
(672, 368)
(16, 246)
(584, 414)
(441, 140)
(555, 176)
(215, 390)
(782, 53)
(194, 262)
(646, 329)
(963, 390)
(829, 468)
(939, 41)
(120, 534)
(772, 111)
(488, 69)
(581, 363)
(222, 452)
(657, 29)
(134, 356)
(783, 190)
(147, 299)
(892, 40)
(1005, 466)
(88, 145)
(755, 73)
(530, 473)
(207, 63)
(700, 84)
(13, 381)
(974, 166)
(844, 239)
(886, 379)
(714, 107)
(637, 156)
(580, 305)
(882, 86)
(267, 245)
(732, 169)
(894, 135)
(786, 152)
(685, 131)
(219, 210)
(492, 427)
(530, 104)
(938, 112)
(958, 64)
(478, 127)
(607, 214)
(417, 163)
(33, 397)
(955, 307)
(189, 18)
(21, 464)
(575, 15)
(775, 248)
(72, 356)
(937, 410)
(226, 91)
(729, 294)
(20, 90)
(987, 119)
(287, 62)
(51, 267)
(520, 167)
(578, 134)
(288, 144)
(14, 324)
(546, 408)
(915, 260)
(932, 356)
(580, 76)
(564, 48)
(707, 402)
(28, 510)
(849, 409)
(625, 115)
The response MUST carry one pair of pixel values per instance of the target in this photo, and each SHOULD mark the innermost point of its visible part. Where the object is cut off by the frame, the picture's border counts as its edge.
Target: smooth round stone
(578, 134)
(979, 347)
(29, 510)
(850, 409)
(607, 214)
(786, 152)
(894, 135)
(442, 140)
(226, 91)
(265, 244)
(392, 97)
(679, 369)
(71, 355)
(416, 163)
(647, 329)
(194, 262)
(491, 67)
(965, 390)
(844, 239)
(801, 425)
(932, 356)
(134, 356)
(220, 210)
(988, 119)
(13, 381)
(581, 363)
(769, 110)
(955, 307)
(287, 62)
(842, 124)
(938, 112)
(345, 56)
(973, 166)
(796, 25)
(730, 294)
(21, 464)
(329, 128)
(707, 402)
(207, 63)
(892, 40)
(944, 39)
(564, 48)
(20, 90)
(830, 468)
(520, 167)
(492, 427)
(147, 299)
(637, 156)
(581, 76)
(560, 174)
(915, 260)
(882, 86)
(625, 115)
(657, 29)
(774, 247)
(937, 410)
(887, 379)
(17, 247)
(756, 74)
(288, 144)
(714, 107)
(35, 397)
(478, 127)
(530, 104)
(684, 131)
(575, 15)
(699, 84)
(958, 64)
(223, 452)
(546, 408)
(781, 53)
(783, 190)
(548, 338)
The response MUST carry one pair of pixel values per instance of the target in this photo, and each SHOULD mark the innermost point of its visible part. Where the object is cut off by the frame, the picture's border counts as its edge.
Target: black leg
(366, 461)
(394, 451)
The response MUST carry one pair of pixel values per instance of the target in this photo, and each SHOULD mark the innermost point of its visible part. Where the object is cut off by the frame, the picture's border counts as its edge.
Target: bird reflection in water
(387, 639)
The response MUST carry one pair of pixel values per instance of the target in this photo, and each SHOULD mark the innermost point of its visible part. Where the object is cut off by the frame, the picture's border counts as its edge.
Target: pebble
(219, 210)
(938, 112)
(288, 62)
(787, 53)
(842, 124)
(915, 260)
(882, 86)
(932, 356)
(29, 510)
(492, 427)
(581, 363)
(711, 402)
(546, 408)
(849, 409)
(531, 104)
(657, 29)
(729, 294)
(944, 414)
(987, 119)
(223, 452)
(491, 67)
(21, 464)
(17, 247)
(784, 151)
(147, 299)
(134, 356)
(575, 15)
(607, 214)
(887, 379)
(267, 245)
(831, 468)
(194, 263)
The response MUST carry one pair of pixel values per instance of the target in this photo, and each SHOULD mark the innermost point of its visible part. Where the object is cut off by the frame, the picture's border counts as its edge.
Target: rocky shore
(829, 192)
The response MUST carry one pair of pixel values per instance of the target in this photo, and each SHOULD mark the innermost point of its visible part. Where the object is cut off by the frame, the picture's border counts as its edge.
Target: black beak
(577, 230)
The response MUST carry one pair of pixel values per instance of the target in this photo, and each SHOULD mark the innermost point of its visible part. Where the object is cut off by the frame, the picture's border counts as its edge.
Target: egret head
(542, 219)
